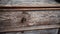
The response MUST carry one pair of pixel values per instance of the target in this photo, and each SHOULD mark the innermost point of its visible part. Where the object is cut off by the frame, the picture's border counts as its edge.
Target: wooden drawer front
(29, 18)
(11, 19)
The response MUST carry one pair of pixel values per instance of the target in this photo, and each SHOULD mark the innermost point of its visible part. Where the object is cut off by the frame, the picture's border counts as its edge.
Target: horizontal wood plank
(31, 28)
(27, 8)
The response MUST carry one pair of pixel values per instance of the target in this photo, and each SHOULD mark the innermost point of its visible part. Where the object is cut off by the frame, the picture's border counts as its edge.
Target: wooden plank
(30, 28)
(48, 5)
(29, 3)
(27, 8)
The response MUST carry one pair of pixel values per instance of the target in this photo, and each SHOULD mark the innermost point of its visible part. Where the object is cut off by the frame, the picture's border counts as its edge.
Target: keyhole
(23, 20)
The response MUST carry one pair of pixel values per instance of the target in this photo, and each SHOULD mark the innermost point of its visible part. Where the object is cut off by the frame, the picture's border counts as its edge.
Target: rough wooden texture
(47, 31)
(43, 17)
(29, 18)
(44, 27)
(11, 20)
(28, 3)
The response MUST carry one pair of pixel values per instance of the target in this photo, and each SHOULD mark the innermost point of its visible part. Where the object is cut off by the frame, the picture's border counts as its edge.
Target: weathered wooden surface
(11, 20)
(48, 31)
(44, 17)
(29, 17)
(44, 27)
(51, 31)
(29, 3)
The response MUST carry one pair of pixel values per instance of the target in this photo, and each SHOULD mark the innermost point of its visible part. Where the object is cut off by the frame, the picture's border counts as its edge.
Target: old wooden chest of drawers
(29, 16)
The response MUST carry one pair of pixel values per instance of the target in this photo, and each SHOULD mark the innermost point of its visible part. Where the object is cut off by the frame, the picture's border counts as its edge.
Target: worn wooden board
(45, 27)
(29, 3)
(47, 31)
(13, 20)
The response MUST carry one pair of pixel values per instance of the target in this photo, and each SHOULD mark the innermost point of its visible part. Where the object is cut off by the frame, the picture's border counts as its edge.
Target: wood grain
(30, 28)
